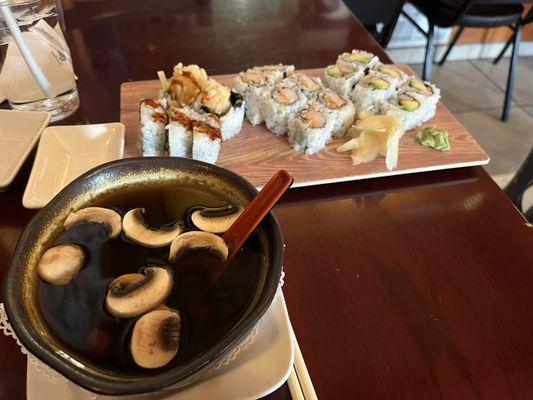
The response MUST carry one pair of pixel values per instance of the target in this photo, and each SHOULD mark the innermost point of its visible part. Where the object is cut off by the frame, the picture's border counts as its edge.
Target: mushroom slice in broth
(136, 229)
(131, 295)
(59, 264)
(215, 219)
(195, 240)
(155, 338)
(110, 218)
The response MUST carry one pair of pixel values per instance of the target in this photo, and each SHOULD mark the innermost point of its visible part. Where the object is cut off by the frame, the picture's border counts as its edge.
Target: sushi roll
(341, 110)
(370, 91)
(152, 139)
(424, 90)
(186, 84)
(282, 101)
(180, 131)
(357, 59)
(252, 86)
(227, 105)
(410, 108)
(309, 86)
(275, 73)
(206, 138)
(310, 129)
(394, 76)
(342, 79)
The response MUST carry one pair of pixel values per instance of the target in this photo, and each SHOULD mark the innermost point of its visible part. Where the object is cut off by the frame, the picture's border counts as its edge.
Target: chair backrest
(372, 12)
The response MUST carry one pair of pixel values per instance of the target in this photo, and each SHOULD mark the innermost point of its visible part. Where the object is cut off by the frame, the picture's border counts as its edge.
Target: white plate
(19, 131)
(257, 370)
(66, 152)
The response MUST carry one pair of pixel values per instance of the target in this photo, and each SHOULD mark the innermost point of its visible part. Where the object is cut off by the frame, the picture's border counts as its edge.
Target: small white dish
(19, 131)
(66, 152)
(256, 371)
(3, 96)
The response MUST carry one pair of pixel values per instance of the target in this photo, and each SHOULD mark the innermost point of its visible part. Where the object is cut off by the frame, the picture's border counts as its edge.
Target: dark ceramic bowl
(21, 282)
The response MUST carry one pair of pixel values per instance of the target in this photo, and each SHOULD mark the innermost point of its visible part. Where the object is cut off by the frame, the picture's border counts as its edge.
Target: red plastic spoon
(253, 214)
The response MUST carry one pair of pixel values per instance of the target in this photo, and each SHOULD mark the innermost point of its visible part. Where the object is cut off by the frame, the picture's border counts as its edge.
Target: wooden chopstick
(299, 381)
(294, 386)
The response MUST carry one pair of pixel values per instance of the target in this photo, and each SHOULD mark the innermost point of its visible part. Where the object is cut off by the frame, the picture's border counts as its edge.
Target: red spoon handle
(255, 211)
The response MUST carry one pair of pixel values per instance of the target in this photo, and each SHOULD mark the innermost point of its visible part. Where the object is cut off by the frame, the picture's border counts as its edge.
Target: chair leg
(497, 59)
(510, 75)
(430, 52)
(450, 46)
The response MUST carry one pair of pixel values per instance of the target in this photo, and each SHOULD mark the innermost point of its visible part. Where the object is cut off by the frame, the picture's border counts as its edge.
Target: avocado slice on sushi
(389, 71)
(379, 84)
(335, 72)
(416, 84)
(359, 57)
(409, 105)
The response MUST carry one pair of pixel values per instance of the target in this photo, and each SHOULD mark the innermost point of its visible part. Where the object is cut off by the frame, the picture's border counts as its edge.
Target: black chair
(524, 21)
(372, 13)
(473, 14)
(520, 183)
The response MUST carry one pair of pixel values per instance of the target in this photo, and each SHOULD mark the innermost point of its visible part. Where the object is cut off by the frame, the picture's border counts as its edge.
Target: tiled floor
(474, 91)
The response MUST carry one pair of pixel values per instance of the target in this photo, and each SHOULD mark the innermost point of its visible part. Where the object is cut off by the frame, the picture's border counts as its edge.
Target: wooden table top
(404, 287)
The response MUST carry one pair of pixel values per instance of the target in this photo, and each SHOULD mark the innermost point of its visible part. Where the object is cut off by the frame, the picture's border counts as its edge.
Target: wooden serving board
(257, 154)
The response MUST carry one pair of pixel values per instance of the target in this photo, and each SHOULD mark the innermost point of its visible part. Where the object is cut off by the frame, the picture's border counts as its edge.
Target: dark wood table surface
(412, 287)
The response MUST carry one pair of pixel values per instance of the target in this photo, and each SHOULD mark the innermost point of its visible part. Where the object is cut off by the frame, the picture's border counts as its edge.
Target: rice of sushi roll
(275, 73)
(153, 117)
(410, 108)
(357, 58)
(252, 86)
(342, 79)
(394, 76)
(341, 109)
(180, 131)
(227, 105)
(370, 91)
(206, 138)
(282, 101)
(310, 129)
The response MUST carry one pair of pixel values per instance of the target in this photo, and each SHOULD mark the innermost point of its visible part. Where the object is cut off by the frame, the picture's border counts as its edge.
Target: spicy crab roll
(252, 86)
(357, 58)
(342, 79)
(276, 72)
(309, 86)
(207, 138)
(152, 139)
(310, 129)
(341, 110)
(227, 105)
(282, 101)
(180, 131)
(410, 108)
(370, 91)
(394, 76)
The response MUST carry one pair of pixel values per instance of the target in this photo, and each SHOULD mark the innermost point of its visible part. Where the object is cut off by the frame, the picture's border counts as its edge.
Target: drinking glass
(36, 70)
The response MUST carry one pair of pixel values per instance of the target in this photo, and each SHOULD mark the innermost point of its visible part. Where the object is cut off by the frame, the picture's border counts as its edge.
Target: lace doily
(53, 376)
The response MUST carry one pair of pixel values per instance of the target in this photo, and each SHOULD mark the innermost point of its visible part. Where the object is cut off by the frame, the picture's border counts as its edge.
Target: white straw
(36, 71)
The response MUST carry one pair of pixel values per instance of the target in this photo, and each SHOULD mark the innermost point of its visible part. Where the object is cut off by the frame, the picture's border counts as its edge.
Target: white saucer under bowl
(257, 369)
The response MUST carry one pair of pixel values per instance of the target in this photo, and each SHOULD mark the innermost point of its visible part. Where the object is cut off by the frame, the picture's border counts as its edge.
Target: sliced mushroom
(155, 338)
(131, 295)
(197, 240)
(135, 228)
(59, 264)
(215, 220)
(101, 215)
